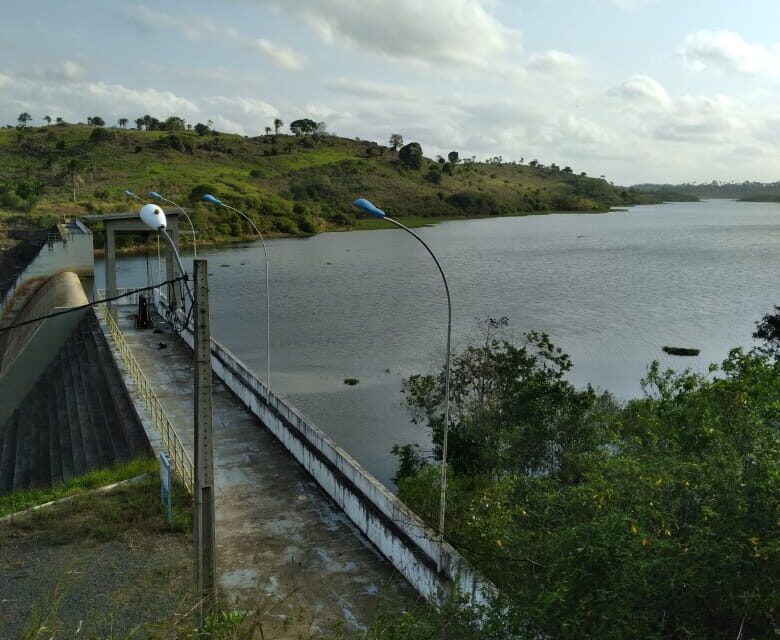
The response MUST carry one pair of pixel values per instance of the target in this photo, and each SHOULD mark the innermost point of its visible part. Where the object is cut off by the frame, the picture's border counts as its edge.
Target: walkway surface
(284, 549)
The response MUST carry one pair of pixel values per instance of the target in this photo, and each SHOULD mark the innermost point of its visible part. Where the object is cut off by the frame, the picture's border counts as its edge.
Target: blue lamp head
(207, 197)
(155, 195)
(368, 207)
(129, 194)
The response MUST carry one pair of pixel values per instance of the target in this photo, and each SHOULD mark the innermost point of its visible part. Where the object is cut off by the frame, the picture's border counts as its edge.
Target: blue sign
(166, 486)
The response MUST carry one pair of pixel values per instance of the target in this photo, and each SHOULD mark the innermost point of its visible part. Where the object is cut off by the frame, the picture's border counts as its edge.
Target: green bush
(285, 225)
(475, 203)
(656, 519)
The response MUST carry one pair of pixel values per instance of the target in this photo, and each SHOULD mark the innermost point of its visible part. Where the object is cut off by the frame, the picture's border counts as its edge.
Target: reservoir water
(610, 289)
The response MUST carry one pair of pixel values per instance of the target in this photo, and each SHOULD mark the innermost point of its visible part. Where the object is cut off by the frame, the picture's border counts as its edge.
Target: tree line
(299, 127)
(654, 518)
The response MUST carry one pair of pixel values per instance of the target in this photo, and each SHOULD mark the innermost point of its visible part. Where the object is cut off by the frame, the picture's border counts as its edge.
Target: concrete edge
(106, 489)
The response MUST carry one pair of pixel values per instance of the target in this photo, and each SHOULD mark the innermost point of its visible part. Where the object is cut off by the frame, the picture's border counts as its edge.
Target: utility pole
(203, 519)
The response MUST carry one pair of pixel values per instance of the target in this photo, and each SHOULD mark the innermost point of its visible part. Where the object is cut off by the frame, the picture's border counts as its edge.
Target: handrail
(171, 442)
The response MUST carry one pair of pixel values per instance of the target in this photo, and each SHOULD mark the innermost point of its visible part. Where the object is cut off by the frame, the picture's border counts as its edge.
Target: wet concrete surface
(285, 551)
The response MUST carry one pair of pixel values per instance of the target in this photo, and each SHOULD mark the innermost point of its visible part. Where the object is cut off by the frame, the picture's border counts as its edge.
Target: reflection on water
(611, 290)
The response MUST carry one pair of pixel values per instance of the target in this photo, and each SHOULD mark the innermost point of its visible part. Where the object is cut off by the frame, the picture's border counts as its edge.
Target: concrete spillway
(282, 545)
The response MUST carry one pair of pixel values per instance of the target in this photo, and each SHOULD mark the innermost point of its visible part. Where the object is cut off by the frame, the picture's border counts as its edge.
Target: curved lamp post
(154, 218)
(215, 201)
(157, 196)
(369, 208)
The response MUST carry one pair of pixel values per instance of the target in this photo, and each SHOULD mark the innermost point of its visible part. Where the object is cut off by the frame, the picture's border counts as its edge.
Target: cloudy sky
(638, 90)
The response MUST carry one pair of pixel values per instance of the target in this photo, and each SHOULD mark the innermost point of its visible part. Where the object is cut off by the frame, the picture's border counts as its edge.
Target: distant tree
(441, 159)
(73, 171)
(768, 330)
(174, 123)
(122, 123)
(139, 123)
(411, 156)
(322, 128)
(568, 170)
(47, 119)
(189, 126)
(89, 121)
(201, 129)
(277, 125)
(434, 174)
(453, 157)
(97, 121)
(303, 126)
(533, 163)
(268, 131)
(396, 141)
(60, 121)
(24, 118)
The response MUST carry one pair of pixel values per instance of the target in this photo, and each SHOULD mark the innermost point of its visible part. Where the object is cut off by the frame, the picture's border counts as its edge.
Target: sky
(636, 90)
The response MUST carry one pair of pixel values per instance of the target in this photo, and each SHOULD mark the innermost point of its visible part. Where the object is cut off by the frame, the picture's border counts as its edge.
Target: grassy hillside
(289, 184)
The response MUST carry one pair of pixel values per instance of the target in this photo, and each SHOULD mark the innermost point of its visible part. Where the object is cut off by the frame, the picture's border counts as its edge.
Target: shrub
(474, 203)
(285, 225)
(11, 200)
(101, 135)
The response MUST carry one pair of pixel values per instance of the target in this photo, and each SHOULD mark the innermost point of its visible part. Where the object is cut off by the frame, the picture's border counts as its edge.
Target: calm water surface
(611, 290)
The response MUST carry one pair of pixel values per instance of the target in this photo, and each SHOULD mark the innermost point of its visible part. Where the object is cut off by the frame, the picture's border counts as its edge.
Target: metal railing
(131, 298)
(177, 454)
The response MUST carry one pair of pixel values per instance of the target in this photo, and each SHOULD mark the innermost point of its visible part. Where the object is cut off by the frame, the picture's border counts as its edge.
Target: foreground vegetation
(26, 498)
(295, 184)
(657, 519)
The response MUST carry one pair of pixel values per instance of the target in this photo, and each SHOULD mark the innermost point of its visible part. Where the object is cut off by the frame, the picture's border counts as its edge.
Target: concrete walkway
(284, 550)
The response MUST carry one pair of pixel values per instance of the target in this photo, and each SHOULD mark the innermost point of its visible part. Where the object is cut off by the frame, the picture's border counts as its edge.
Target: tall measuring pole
(205, 556)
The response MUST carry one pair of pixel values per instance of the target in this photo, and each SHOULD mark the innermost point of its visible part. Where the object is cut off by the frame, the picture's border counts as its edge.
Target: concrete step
(8, 453)
(40, 468)
(127, 435)
(82, 401)
(110, 435)
(55, 446)
(64, 381)
(22, 458)
(67, 463)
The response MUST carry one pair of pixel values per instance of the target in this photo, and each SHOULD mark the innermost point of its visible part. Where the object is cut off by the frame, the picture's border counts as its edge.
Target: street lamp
(369, 208)
(154, 218)
(130, 194)
(212, 200)
(157, 196)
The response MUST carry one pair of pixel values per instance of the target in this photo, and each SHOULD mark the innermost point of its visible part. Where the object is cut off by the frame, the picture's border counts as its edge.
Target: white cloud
(147, 19)
(702, 119)
(284, 57)
(432, 33)
(660, 116)
(642, 91)
(74, 101)
(554, 62)
(369, 89)
(728, 52)
(199, 29)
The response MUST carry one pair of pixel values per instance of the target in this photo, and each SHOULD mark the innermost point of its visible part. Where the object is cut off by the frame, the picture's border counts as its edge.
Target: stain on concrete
(284, 549)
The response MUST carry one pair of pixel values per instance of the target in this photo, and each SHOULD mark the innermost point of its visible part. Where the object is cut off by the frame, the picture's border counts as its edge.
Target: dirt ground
(96, 567)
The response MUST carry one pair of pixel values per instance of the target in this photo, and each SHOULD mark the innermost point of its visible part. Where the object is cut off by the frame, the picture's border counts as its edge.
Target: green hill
(289, 184)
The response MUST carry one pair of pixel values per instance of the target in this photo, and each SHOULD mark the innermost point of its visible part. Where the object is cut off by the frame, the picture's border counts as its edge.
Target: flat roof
(130, 215)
